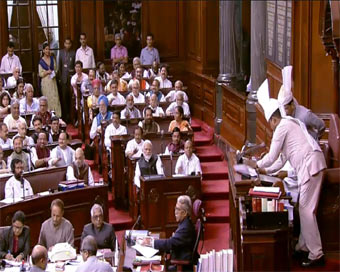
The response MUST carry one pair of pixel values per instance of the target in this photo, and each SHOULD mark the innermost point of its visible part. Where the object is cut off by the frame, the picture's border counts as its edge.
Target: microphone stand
(162, 144)
(171, 163)
(23, 186)
(129, 240)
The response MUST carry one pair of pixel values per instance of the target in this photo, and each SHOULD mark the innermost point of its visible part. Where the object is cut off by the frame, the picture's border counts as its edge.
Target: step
(202, 138)
(209, 153)
(214, 170)
(216, 236)
(217, 211)
(120, 219)
(215, 189)
(196, 124)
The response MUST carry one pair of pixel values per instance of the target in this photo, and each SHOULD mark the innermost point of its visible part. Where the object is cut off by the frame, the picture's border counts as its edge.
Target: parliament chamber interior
(169, 135)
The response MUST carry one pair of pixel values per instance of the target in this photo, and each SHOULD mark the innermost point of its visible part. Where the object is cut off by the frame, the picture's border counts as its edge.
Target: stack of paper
(216, 261)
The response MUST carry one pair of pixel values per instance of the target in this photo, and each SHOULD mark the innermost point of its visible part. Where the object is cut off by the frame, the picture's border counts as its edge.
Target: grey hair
(135, 81)
(96, 207)
(185, 203)
(117, 35)
(28, 85)
(147, 142)
(15, 101)
(180, 93)
(43, 98)
(90, 245)
(135, 59)
(179, 81)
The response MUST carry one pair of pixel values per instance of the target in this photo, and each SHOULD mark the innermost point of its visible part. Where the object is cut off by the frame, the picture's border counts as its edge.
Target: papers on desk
(10, 200)
(44, 193)
(147, 252)
(12, 263)
(216, 261)
(178, 175)
(156, 258)
(245, 170)
(136, 233)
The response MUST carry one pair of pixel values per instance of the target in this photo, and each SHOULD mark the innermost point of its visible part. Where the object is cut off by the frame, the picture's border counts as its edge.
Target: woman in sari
(47, 72)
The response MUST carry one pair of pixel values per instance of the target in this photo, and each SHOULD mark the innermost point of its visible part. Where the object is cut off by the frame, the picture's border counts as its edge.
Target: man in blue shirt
(149, 54)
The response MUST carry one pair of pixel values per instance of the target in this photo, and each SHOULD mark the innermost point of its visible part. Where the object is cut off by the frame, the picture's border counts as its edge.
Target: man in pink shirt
(119, 52)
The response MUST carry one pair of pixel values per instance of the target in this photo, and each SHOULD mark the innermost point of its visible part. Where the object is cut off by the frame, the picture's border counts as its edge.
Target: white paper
(263, 189)
(144, 259)
(52, 75)
(13, 263)
(44, 193)
(147, 252)
(230, 254)
(10, 200)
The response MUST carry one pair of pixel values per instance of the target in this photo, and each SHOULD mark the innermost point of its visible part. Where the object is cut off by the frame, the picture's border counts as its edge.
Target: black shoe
(316, 262)
(300, 254)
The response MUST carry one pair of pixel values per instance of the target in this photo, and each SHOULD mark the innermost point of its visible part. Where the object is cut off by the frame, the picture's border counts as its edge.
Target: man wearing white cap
(314, 124)
(291, 138)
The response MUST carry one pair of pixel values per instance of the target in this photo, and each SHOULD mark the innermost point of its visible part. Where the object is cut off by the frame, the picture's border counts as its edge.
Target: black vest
(148, 168)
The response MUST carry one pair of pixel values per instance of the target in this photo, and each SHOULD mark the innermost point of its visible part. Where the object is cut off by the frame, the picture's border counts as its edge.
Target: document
(147, 252)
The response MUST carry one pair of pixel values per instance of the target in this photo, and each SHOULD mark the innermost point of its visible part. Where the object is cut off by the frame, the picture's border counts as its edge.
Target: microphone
(23, 185)
(129, 240)
(171, 162)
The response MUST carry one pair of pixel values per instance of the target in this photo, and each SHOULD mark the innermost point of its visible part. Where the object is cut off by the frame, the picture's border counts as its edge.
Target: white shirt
(139, 99)
(131, 146)
(116, 100)
(86, 57)
(24, 107)
(171, 96)
(149, 73)
(70, 175)
(166, 83)
(171, 109)
(34, 155)
(167, 152)
(133, 114)
(188, 165)
(162, 97)
(27, 141)
(147, 86)
(11, 123)
(156, 111)
(65, 152)
(9, 63)
(14, 186)
(11, 82)
(112, 131)
(74, 78)
(7, 144)
(126, 76)
(159, 168)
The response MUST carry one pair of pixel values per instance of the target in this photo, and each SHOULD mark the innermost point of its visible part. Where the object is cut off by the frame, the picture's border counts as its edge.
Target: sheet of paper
(147, 252)
(267, 189)
(10, 200)
(13, 263)
(44, 193)
(144, 259)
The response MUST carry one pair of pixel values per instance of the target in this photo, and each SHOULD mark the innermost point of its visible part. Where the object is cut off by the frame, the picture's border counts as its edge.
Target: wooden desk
(255, 250)
(158, 198)
(41, 180)
(77, 208)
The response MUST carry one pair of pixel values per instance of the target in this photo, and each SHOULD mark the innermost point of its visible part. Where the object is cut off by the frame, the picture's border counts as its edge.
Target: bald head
(80, 157)
(89, 245)
(39, 256)
(188, 148)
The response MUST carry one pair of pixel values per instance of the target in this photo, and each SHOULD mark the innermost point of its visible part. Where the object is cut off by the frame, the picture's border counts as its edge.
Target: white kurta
(6, 144)
(86, 57)
(166, 83)
(171, 96)
(116, 100)
(159, 168)
(112, 131)
(11, 123)
(14, 186)
(171, 109)
(139, 99)
(186, 166)
(70, 175)
(131, 146)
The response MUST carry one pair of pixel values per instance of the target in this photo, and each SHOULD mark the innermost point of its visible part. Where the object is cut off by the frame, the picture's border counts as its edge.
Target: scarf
(45, 66)
(100, 117)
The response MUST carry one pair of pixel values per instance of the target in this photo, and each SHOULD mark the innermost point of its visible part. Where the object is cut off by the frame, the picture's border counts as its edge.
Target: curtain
(9, 11)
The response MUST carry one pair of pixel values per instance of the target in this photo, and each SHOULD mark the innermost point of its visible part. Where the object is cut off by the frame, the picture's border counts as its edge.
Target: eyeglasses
(17, 227)
(97, 217)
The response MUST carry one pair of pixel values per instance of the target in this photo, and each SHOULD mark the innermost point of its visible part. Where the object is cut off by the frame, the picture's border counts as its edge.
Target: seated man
(3, 165)
(39, 259)
(122, 84)
(79, 169)
(15, 242)
(5, 142)
(188, 163)
(41, 153)
(38, 127)
(153, 71)
(17, 185)
(115, 98)
(79, 77)
(87, 85)
(148, 124)
(29, 103)
(103, 115)
(56, 229)
(19, 154)
(135, 91)
(103, 232)
(148, 164)
(12, 80)
(92, 100)
(182, 242)
(12, 120)
(55, 129)
(155, 90)
(171, 96)
(143, 84)
(157, 111)
(101, 73)
(179, 102)
(114, 129)
(130, 111)
(22, 131)
(45, 114)
(163, 78)
(91, 262)
(62, 155)
(134, 147)
(177, 145)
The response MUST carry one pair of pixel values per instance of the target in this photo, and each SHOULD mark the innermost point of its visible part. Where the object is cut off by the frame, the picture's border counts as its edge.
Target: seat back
(199, 233)
(334, 141)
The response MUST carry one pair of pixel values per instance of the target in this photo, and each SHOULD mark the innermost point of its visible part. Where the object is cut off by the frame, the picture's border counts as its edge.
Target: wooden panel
(234, 116)
(274, 76)
(3, 28)
(87, 17)
(164, 20)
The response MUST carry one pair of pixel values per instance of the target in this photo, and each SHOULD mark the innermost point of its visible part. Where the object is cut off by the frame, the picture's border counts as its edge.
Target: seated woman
(15, 240)
(19, 92)
(183, 125)
(5, 103)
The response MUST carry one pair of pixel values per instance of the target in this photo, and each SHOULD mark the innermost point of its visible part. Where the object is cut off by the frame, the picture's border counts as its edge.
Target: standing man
(119, 53)
(149, 53)
(66, 64)
(57, 229)
(291, 138)
(85, 53)
(10, 60)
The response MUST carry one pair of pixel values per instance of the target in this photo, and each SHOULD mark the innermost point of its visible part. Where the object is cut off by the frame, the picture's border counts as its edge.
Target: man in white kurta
(292, 140)
(14, 188)
(10, 60)
(62, 155)
(134, 147)
(179, 102)
(188, 163)
(114, 129)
